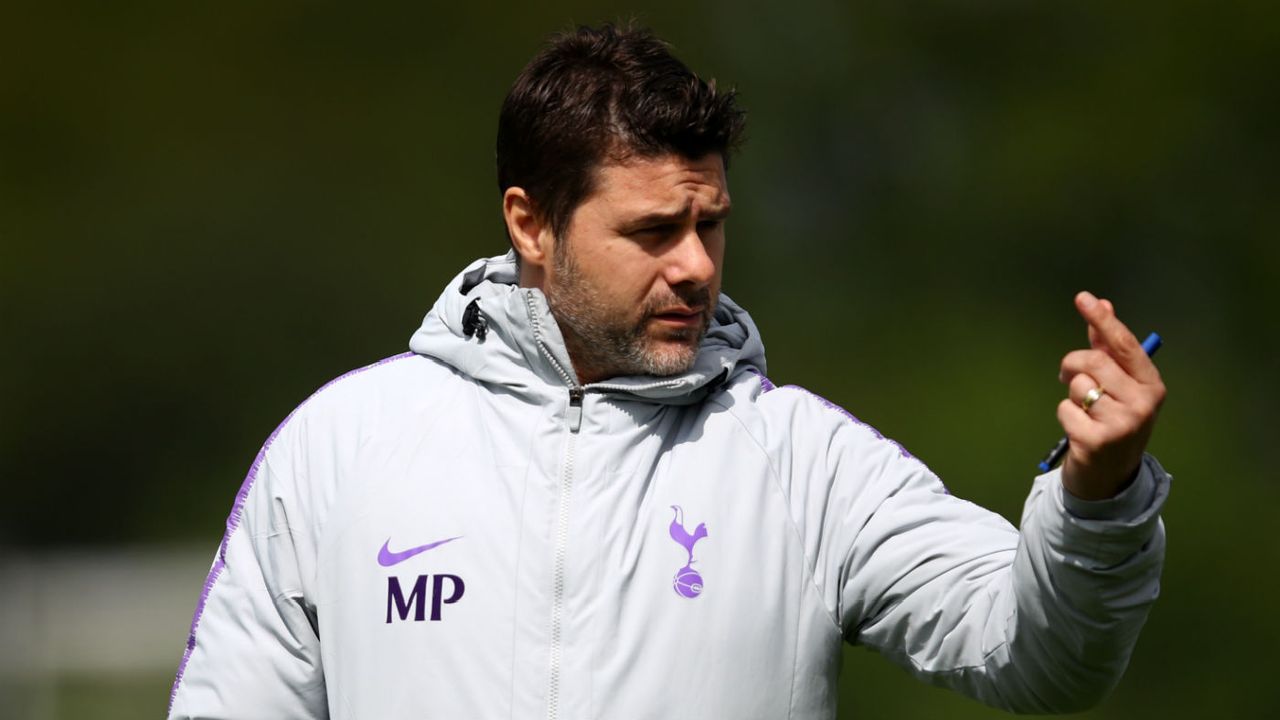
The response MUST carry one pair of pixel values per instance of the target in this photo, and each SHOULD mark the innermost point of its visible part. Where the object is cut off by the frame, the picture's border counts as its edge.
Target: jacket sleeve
(1041, 619)
(254, 650)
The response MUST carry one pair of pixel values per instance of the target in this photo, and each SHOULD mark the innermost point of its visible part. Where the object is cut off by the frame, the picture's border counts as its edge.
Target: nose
(689, 261)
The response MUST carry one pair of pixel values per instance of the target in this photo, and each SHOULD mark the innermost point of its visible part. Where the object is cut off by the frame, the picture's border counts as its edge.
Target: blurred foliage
(206, 212)
(111, 697)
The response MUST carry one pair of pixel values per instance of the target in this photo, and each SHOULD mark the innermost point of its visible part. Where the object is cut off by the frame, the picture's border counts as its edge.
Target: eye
(709, 225)
(656, 231)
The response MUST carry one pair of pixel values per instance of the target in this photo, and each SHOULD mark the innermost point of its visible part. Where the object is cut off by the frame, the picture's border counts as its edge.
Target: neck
(531, 276)
(586, 371)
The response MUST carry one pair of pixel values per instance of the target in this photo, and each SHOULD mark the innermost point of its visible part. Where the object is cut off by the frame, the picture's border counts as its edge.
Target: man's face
(634, 280)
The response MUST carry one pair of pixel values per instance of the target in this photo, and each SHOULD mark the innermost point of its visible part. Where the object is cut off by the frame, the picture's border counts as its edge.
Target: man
(580, 496)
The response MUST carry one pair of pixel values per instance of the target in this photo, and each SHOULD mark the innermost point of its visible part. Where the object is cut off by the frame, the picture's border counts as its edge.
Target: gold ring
(1092, 397)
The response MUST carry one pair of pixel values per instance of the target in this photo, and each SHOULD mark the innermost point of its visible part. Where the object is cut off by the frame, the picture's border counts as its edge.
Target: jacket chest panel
(679, 562)
(683, 565)
(425, 576)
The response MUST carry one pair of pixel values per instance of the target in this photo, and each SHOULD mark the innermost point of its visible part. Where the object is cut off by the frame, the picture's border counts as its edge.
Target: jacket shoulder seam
(810, 563)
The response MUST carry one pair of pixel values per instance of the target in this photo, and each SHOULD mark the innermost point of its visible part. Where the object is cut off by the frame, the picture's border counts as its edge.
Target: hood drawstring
(474, 322)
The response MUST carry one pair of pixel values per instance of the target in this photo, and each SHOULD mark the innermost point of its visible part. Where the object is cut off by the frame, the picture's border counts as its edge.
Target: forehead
(664, 183)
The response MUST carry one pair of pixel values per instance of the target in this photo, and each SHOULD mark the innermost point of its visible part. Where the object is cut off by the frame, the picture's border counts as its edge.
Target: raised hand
(1108, 438)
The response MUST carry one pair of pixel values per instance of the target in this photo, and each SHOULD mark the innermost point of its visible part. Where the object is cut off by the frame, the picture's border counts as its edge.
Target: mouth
(681, 316)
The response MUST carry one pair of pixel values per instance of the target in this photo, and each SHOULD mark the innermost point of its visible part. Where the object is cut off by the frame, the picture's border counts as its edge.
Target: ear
(530, 232)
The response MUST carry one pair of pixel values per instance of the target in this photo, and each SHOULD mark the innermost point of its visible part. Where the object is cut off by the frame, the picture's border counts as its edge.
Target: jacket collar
(521, 349)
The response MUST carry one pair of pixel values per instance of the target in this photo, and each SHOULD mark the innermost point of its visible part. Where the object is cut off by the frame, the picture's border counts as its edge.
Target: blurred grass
(76, 697)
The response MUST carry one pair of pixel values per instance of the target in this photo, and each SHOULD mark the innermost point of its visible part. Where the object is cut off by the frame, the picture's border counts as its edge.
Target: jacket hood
(515, 342)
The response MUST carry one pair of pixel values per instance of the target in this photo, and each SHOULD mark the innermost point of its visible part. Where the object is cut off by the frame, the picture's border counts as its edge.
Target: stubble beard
(606, 343)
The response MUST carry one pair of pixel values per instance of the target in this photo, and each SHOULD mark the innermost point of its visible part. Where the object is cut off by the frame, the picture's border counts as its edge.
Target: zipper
(561, 547)
(568, 379)
(606, 387)
(573, 418)
(575, 408)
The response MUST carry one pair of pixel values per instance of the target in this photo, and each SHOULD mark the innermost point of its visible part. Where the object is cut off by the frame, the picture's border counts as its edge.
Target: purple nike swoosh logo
(386, 558)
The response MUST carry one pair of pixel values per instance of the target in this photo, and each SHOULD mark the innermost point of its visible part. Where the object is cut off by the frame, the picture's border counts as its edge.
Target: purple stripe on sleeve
(851, 417)
(765, 384)
(233, 519)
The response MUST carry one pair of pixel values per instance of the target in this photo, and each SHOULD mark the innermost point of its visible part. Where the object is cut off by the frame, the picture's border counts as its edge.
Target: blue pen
(1150, 346)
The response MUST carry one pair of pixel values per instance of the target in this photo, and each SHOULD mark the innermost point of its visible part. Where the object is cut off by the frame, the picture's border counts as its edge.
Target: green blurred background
(207, 212)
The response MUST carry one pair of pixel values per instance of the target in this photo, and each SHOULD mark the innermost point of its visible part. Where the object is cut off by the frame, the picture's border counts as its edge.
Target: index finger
(1109, 334)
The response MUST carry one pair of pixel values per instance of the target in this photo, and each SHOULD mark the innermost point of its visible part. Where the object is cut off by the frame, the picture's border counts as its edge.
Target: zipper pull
(575, 408)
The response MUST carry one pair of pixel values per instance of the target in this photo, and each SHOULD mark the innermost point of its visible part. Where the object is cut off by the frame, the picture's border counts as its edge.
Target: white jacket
(455, 533)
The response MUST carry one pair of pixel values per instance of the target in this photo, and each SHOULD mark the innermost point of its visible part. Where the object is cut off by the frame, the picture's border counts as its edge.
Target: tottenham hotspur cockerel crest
(687, 583)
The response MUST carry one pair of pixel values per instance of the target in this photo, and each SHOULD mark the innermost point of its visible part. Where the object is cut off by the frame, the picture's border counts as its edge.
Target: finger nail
(1087, 300)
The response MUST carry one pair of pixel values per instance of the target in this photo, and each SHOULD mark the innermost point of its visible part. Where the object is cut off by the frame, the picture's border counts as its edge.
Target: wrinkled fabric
(448, 534)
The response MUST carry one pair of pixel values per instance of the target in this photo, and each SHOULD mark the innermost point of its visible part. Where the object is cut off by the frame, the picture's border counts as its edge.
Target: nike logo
(386, 558)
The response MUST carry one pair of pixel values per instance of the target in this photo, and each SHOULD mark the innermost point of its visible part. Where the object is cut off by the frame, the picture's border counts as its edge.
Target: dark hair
(604, 94)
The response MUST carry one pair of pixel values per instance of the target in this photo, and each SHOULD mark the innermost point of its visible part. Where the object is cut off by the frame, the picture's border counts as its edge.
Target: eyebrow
(667, 217)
